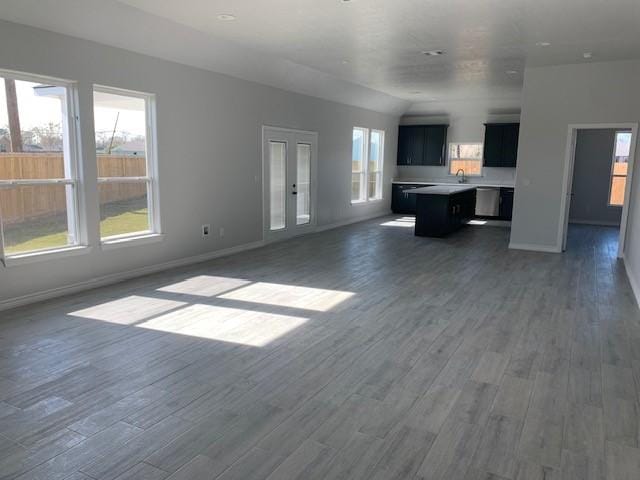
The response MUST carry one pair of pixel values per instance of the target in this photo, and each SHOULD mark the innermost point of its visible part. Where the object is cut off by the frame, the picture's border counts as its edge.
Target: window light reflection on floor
(225, 324)
(234, 310)
(205, 285)
(407, 222)
(128, 310)
(291, 296)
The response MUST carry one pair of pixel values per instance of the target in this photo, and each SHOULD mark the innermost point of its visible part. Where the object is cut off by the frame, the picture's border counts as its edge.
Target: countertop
(440, 182)
(442, 189)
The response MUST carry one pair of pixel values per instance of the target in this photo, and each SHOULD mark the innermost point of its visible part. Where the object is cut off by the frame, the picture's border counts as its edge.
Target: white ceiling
(363, 52)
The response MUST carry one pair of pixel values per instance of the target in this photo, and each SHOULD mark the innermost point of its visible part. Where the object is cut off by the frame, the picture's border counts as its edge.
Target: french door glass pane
(356, 185)
(123, 209)
(303, 200)
(277, 184)
(36, 217)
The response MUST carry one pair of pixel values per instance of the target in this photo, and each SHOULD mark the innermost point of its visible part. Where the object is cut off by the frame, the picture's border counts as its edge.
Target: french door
(289, 181)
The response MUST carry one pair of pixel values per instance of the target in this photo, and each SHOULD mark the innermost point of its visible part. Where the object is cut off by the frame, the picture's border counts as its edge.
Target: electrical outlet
(206, 229)
(221, 232)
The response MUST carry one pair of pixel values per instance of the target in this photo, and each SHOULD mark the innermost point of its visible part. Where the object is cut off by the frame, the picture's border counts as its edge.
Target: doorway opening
(598, 182)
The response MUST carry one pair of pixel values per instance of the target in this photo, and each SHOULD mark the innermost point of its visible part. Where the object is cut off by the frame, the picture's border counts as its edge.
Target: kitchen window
(465, 156)
(367, 161)
(619, 168)
(38, 167)
(127, 166)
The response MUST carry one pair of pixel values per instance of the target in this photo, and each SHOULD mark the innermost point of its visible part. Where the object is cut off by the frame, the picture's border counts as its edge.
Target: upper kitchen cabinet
(410, 145)
(422, 144)
(501, 144)
(435, 144)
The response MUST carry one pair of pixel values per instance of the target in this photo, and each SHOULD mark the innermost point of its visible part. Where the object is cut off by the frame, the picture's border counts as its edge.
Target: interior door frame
(567, 184)
(273, 236)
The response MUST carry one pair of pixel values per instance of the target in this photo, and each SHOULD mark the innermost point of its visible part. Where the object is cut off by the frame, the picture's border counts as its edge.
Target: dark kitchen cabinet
(506, 203)
(422, 144)
(403, 202)
(501, 144)
(410, 145)
(438, 215)
(435, 144)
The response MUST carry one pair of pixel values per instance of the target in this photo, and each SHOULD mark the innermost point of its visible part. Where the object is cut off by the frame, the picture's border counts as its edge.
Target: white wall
(592, 179)
(553, 98)
(467, 127)
(209, 128)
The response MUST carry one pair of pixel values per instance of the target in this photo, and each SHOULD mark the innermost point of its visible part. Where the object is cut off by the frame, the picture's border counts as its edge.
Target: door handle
(294, 193)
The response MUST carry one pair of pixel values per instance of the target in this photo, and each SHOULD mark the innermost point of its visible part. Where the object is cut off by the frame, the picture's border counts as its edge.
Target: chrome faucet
(464, 178)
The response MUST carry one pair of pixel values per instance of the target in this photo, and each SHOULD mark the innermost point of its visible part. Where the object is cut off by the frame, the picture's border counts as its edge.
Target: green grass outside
(117, 218)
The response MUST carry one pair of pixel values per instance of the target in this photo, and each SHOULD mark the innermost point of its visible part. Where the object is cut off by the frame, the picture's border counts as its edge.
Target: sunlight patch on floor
(204, 285)
(317, 299)
(407, 222)
(128, 310)
(224, 324)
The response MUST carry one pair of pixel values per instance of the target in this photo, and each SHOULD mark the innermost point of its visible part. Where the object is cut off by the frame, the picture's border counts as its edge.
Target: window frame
(612, 175)
(364, 174)
(150, 179)
(380, 172)
(77, 228)
(481, 160)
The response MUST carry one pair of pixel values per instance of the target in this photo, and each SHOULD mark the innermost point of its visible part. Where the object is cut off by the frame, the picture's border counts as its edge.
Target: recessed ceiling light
(543, 44)
(587, 55)
(226, 17)
(345, 62)
(511, 72)
(433, 53)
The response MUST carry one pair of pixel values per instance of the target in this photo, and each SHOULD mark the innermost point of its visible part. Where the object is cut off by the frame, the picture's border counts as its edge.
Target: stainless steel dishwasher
(487, 201)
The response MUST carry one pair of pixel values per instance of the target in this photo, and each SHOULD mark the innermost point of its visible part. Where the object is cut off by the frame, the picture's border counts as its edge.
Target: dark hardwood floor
(358, 353)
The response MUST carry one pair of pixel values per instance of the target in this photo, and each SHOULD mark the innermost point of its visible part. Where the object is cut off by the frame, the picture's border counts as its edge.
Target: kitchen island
(442, 209)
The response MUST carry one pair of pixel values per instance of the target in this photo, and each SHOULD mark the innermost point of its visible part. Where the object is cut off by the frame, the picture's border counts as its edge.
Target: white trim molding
(635, 286)
(344, 223)
(532, 247)
(148, 270)
(567, 178)
(127, 275)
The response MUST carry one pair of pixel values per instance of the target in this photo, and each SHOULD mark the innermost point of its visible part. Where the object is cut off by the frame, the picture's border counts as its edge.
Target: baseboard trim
(150, 269)
(122, 276)
(596, 223)
(344, 223)
(535, 247)
(635, 288)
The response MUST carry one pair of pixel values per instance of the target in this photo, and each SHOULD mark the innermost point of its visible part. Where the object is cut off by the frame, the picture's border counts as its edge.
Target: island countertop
(441, 190)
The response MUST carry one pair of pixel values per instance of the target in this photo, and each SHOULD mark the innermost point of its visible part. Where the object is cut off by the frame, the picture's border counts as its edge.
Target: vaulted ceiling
(363, 52)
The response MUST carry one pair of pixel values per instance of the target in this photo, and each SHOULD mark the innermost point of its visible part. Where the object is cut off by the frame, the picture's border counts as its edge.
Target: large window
(619, 168)
(127, 179)
(38, 166)
(367, 160)
(467, 157)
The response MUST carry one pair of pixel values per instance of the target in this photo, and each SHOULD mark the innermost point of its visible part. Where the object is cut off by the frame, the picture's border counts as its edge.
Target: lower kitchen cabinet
(506, 203)
(437, 215)
(401, 201)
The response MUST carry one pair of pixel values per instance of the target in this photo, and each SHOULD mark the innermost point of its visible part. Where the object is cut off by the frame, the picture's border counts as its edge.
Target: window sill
(131, 241)
(33, 257)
